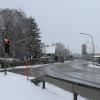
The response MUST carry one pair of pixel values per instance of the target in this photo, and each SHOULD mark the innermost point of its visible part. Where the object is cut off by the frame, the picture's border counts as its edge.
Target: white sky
(63, 20)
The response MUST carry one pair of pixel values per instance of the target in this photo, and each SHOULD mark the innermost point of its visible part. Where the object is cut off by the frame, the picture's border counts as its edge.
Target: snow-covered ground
(16, 87)
(60, 92)
(67, 61)
(40, 65)
(90, 64)
(33, 66)
(22, 67)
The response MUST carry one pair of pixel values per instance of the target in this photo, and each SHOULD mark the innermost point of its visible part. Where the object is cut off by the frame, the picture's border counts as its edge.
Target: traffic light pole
(5, 64)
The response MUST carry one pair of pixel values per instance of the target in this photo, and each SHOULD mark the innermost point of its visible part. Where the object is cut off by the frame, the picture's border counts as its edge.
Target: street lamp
(92, 44)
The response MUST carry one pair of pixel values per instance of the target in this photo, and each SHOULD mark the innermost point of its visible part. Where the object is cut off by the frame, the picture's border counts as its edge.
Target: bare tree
(60, 51)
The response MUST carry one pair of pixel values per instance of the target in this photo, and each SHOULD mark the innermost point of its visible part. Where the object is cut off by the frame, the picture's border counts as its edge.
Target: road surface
(85, 80)
(77, 71)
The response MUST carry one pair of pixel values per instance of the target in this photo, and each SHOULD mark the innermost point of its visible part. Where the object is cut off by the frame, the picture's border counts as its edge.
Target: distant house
(50, 50)
(49, 54)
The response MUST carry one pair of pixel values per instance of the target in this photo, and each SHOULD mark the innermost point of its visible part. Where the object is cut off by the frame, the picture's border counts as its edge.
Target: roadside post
(27, 63)
(75, 96)
(43, 79)
(43, 82)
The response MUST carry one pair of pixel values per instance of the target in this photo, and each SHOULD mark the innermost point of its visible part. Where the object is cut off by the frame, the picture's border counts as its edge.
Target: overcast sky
(63, 20)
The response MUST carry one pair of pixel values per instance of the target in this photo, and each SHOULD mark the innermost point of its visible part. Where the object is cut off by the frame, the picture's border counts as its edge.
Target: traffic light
(6, 45)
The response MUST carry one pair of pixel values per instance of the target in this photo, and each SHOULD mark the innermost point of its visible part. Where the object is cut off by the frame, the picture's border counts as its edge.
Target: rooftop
(50, 49)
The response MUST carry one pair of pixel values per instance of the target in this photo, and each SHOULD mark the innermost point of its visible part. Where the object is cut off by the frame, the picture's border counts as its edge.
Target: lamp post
(93, 47)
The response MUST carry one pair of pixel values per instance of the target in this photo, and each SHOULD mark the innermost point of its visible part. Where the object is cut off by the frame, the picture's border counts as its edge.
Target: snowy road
(76, 70)
(78, 73)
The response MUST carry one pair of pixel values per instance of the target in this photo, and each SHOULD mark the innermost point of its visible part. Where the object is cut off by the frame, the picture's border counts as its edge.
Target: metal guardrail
(76, 88)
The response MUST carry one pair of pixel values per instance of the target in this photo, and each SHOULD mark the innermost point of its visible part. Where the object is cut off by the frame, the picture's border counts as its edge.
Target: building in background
(84, 50)
(97, 58)
(49, 56)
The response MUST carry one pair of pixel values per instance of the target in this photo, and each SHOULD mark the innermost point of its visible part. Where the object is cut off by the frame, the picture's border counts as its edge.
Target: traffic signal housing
(7, 45)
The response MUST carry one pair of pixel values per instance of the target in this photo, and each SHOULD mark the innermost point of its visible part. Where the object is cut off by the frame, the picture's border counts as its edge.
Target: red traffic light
(7, 45)
(6, 41)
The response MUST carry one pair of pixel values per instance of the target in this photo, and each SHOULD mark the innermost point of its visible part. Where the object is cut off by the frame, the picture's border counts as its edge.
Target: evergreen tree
(34, 44)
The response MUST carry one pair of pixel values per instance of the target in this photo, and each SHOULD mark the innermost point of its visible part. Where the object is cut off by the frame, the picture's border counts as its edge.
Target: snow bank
(93, 66)
(34, 66)
(16, 87)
